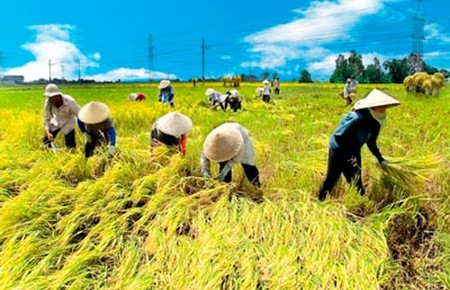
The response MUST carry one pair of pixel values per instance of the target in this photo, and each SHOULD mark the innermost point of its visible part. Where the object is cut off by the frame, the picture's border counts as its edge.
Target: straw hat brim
(163, 84)
(376, 98)
(209, 92)
(94, 113)
(222, 144)
(174, 124)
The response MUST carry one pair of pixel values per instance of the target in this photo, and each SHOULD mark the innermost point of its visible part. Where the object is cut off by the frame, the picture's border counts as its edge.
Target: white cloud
(53, 51)
(52, 45)
(304, 38)
(126, 74)
(434, 32)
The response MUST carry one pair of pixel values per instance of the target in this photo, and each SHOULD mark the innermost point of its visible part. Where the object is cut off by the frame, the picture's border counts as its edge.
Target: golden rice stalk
(411, 172)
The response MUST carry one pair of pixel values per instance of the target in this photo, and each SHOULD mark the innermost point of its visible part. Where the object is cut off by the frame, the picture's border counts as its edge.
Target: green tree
(345, 68)
(398, 69)
(373, 74)
(305, 77)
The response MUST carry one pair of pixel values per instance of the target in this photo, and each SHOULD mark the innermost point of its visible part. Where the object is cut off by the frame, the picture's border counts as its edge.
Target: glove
(384, 162)
(353, 161)
(112, 150)
(87, 137)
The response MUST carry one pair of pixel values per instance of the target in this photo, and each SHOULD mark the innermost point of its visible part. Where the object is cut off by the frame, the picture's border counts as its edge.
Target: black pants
(69, 139)
(251, 171)
(266, 98)
(338, 163)
(213, 105)
(234, 105)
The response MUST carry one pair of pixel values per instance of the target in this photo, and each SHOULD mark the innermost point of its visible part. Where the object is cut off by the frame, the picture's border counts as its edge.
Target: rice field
(148, 220)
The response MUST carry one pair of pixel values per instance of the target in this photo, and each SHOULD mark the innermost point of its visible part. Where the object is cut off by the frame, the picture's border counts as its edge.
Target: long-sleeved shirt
(347, 90)
(266, 90)
(356, 129)
(245, 156)
(63, 117)
(102, 132)
(167, 94)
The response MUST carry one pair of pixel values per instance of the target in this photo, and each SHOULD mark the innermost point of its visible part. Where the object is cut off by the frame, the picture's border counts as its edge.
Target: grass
(148, 220)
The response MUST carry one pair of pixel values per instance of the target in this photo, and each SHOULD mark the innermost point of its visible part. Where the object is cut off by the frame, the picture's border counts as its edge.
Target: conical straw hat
(209, 91)
(222, 144)
(94, 113)
(376, 98)
(163, 84)
(174, 124)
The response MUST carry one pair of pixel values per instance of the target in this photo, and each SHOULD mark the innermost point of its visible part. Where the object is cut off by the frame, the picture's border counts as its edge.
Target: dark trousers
(220, 104)
(69, 139)
(339, 163)
(266, 98)
(251, 171)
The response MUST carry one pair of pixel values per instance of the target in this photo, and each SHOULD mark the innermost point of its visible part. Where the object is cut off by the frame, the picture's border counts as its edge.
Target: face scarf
(380, 117)
(183, 141)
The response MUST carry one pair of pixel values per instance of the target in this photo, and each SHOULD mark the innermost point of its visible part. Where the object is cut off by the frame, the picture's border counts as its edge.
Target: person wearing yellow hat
(99, 129)
(166, 93)
(171, 130)
(227, 145)
(359, 127)
(60, 113)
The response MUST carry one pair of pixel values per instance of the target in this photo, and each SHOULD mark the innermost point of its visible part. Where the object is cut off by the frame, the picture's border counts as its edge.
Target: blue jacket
(356, 129)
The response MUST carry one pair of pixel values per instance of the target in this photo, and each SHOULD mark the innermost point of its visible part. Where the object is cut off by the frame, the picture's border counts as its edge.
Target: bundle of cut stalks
(411, 172)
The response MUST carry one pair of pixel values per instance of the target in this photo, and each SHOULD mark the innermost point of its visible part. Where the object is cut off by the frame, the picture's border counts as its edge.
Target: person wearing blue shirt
(359, 127)
(98, 128)
(166, 93)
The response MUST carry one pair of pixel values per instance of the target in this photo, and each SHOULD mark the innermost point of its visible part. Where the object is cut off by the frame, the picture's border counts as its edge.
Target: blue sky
(112, 41)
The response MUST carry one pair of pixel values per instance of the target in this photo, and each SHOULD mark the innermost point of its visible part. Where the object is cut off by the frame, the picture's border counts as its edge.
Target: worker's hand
(384, 162)
(112, 150)
(49, 136)
(353, 161)
(155, 143)
(87, 137)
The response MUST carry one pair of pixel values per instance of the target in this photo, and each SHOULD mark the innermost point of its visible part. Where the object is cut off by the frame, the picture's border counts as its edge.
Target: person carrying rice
(359, 127)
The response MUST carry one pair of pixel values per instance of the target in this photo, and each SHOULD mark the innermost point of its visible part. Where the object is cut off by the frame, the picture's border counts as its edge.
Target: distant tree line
(394, 71)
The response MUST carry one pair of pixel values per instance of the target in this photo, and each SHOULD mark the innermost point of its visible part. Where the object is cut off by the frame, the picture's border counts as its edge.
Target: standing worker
(99, 128)
(347, 93)
(357, 128)
(166, 93)
(171, 130)
(276, 85)
(60, 113)
(229, 144)
(266, 91)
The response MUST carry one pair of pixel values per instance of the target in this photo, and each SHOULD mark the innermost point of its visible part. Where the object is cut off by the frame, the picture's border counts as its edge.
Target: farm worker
(171, 129)
(136, 97)
(266, 91)
(60, 113)
(359, 127)
(276, 85)
(99, 128)
(229, 144)
(166, 92)
(347, 92)
(233, 99)
(215, 98)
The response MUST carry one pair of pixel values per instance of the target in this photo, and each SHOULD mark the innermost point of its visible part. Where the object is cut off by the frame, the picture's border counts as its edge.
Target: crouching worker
(357, 128)
(215, 98)
(166, 93)
(234, 100)
(60, 113)
(171, 130)
(227, 145)
(99, 129)
(138, 97)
